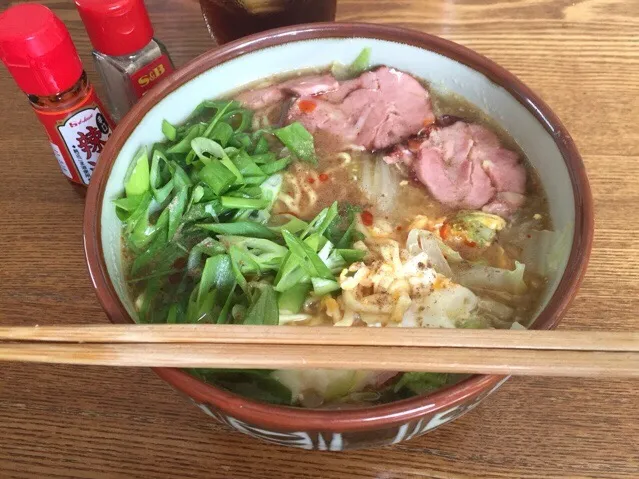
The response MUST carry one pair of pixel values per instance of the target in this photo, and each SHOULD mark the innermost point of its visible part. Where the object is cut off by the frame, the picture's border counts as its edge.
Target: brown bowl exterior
(362, 427)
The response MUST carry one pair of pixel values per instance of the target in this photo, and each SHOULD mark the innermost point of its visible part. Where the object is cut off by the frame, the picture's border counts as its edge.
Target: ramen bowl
(447, 67)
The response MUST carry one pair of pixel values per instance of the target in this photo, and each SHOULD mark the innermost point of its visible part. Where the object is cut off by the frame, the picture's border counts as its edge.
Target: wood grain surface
(581, 56)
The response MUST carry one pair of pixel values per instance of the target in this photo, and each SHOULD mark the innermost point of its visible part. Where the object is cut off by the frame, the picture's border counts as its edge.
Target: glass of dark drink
(231, 19)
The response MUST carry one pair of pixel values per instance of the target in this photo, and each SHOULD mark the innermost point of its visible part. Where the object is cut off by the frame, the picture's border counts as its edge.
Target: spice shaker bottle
(129, 60)
(38, 52)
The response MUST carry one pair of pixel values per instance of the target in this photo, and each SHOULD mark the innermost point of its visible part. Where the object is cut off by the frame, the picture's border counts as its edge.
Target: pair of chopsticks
(518, 352)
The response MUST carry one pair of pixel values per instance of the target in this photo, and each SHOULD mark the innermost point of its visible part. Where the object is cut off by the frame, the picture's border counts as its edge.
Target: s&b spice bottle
(38, 52)
(129, 60)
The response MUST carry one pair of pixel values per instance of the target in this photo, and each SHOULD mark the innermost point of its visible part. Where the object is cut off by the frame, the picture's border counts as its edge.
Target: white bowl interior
(443, 73)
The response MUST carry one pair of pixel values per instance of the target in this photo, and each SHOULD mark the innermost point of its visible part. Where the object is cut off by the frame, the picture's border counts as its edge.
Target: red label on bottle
(149, 74)
(77, 136)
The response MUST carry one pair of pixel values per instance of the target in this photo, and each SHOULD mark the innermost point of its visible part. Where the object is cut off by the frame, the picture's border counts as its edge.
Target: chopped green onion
(211, 209)
(180, 178)
(294, 225)
(292, 277)
(309, 259)
(322, 221)
(184, 145)
(128, 203)
(160, 193)
(263, 158)
(322, 286)
(139, 212)
(246, 165)
(292, 300)
(198, 311)
(235, 254)
(226, 161)
(264, 310)
(207, 246)
(142, 233)
(241, 141)
(218, 274)
(275, 166)
(314, 241)
(222, 133)
(176, 210)
(148, 297)
(220, 112)
(261, 147)
(265, 252)
(299, 141)
(361, 63)
(247, 192)
(419, 383)
(217, 176)
(356, 68)
(172, 316)
(351, 255)
(223, 318)
(169, 131)
(202, 145)
(136, 181)
(240, 228)
(195, 211)
(244, 203)
(255, 180)
(158, 252)
(246, 116)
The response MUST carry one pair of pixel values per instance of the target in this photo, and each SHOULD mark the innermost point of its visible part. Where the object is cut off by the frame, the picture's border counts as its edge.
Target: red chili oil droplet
(323, 177)
(472, 244)
(311, 180)
(307, 106)
(399, 228)
(444, 230)
(367, 218)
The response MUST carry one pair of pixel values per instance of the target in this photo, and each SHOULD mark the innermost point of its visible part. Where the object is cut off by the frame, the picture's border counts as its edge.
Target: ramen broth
(389, 204)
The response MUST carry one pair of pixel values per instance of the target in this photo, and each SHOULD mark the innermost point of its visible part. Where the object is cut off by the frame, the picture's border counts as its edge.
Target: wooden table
(581, 56)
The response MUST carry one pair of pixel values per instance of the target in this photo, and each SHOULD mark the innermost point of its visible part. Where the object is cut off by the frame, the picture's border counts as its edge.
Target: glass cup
(231, 19)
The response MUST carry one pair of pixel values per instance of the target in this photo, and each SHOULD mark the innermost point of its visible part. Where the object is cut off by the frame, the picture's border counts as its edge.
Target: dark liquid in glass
(231, 19)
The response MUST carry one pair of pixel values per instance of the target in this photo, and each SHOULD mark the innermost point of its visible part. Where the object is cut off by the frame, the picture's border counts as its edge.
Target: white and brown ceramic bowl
(447, 67)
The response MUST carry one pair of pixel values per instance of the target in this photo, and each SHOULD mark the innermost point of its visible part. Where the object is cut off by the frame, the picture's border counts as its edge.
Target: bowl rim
(371, 417)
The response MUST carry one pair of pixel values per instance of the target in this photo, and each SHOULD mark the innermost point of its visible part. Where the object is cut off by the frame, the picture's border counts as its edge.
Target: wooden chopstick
(238, 334)
(519, 352)
(523, 362)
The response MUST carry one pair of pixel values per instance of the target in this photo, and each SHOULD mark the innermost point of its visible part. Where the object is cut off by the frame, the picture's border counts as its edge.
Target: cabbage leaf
(328, 384)
(489, 278)
(545, 251)
(445, 307)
